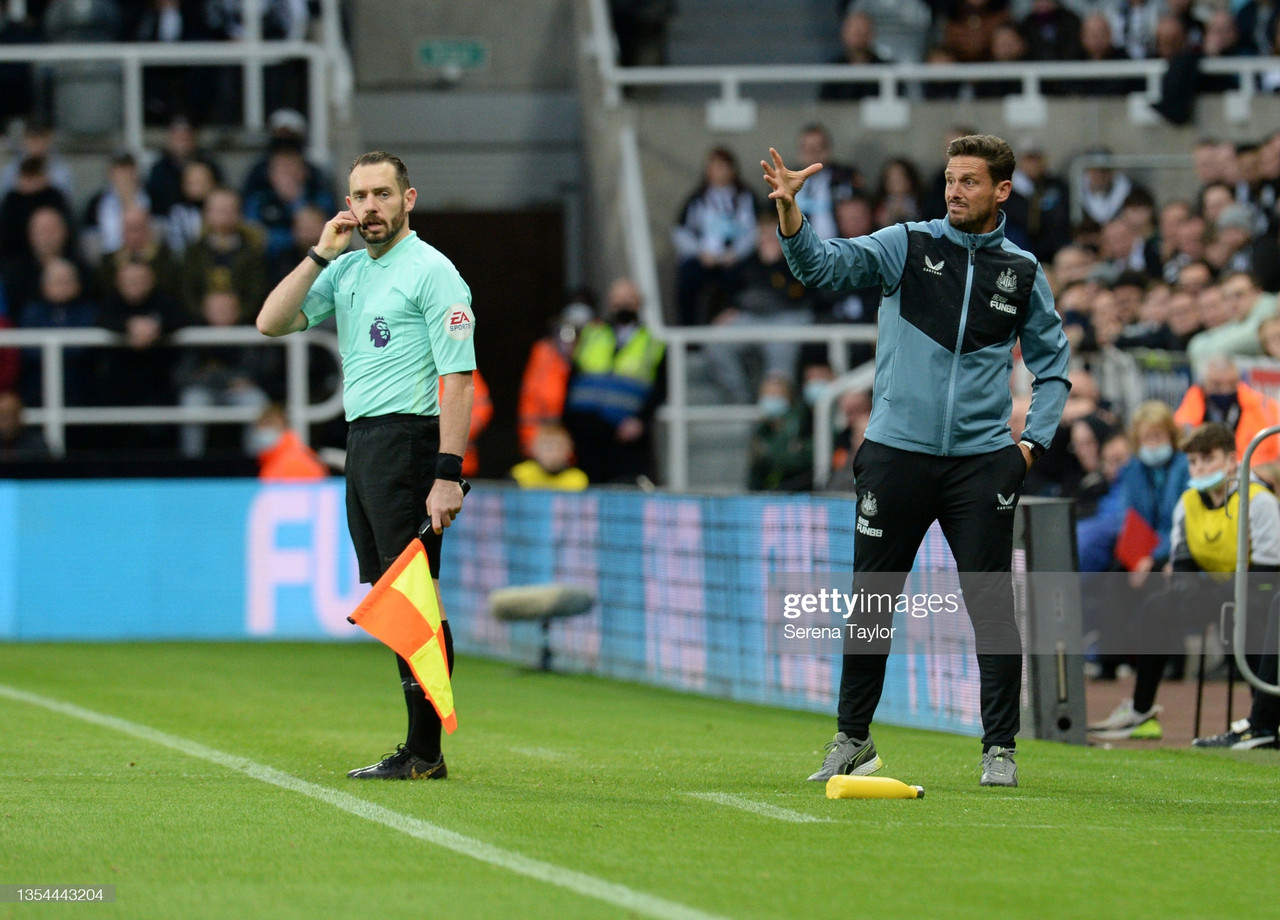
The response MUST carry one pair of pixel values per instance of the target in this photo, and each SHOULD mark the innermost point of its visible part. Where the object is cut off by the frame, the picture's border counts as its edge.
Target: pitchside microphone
(871, 787)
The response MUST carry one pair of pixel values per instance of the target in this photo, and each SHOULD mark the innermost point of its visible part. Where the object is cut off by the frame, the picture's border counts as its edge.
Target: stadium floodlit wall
(680, 580)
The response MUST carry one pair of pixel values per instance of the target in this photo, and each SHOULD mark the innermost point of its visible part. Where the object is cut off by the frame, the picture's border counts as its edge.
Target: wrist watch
(1036, 450)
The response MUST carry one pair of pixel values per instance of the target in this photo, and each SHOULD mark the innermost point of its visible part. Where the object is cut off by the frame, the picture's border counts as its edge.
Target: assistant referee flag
(401, 612)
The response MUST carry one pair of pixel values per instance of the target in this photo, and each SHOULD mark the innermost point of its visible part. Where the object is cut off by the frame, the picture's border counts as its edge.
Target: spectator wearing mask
(282, 455)
(1221, 396)
(614, 391)
(782, 443)
(546, 373)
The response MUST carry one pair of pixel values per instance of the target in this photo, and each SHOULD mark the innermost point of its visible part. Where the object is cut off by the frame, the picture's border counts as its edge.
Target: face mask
(813, 390)
(263, 439)
(1223, 401)
(1155, 456)
(1207, 481)
(625, 317)
(773, 406)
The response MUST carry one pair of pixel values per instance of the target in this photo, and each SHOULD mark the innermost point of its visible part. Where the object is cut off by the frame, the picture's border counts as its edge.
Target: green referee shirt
(403, 320)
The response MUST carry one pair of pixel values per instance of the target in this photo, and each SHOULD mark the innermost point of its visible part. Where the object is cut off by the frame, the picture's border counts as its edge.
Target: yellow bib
(1211, 532)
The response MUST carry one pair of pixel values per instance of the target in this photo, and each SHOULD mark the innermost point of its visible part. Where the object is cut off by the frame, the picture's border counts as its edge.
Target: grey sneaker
(845, 755)
(998, 768)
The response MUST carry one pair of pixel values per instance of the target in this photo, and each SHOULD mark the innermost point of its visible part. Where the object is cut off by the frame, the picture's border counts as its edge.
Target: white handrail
(1239, 635)
(54, 416)
(132, 57)
(893, 76)
(603, 46)
(860, 378)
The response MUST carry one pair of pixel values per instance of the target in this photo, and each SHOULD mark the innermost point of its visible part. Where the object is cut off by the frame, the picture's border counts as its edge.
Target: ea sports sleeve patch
(459, 322)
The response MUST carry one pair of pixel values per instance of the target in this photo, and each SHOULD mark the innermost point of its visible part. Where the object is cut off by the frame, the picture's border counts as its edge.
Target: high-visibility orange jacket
(290, 461)
(1257, 411)
(542, 390)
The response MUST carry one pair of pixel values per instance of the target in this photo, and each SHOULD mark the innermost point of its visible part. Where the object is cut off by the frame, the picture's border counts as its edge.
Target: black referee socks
(423, 737)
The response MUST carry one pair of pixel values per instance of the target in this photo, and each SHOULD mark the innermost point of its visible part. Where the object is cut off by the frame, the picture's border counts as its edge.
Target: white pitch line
(759, 808)
(578, 882)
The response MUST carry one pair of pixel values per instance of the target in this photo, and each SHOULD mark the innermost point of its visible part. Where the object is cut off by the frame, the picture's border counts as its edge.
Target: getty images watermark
(825, 614)
(864, 612)
(1055, 613)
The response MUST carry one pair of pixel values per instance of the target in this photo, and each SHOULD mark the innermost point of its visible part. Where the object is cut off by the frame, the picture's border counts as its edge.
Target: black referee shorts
(391, 465)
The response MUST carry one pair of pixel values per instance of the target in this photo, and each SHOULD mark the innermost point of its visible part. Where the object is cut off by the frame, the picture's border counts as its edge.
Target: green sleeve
(446, 307)
(319, 303)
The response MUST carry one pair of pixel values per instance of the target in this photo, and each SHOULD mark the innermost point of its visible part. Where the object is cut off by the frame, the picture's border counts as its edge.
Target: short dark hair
(994, 150)
(374, 157)
(1209, 437)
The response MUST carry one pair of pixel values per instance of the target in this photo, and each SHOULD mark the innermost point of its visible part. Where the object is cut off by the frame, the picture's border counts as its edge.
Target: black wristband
(317, 258)
(449, 466)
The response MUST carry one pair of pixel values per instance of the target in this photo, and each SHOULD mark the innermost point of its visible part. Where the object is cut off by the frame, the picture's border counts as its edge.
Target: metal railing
(1241, 605)
(328, 69)
(55, 415)
(859, 378)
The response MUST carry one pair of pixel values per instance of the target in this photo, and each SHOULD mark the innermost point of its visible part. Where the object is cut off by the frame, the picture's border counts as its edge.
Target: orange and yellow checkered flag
(401, 612)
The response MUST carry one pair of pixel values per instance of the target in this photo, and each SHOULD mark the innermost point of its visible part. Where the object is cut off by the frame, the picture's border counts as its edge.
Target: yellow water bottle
(871, 787)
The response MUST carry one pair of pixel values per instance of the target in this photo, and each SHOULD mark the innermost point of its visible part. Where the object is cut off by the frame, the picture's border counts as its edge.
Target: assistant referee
(405, 330)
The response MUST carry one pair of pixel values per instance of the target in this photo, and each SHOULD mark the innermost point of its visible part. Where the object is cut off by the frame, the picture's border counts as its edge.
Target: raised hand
(785, 184)
(336, 235)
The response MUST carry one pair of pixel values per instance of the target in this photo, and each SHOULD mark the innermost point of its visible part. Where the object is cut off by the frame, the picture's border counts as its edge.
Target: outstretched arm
(785, 184)
(282, 310)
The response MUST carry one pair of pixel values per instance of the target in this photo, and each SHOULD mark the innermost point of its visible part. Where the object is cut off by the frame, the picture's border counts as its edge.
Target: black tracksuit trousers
(973, 498)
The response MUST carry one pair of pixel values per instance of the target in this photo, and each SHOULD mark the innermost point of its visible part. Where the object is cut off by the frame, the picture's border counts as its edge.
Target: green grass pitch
(627, 801)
